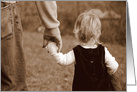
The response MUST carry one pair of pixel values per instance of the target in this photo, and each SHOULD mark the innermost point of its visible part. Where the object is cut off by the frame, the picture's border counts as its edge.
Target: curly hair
(87, 27)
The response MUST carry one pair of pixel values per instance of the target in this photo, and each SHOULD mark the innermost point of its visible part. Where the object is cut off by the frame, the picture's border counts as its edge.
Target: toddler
(93, 62)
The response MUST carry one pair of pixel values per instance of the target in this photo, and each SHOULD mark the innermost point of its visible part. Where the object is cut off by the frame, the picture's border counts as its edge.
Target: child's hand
(52, 48)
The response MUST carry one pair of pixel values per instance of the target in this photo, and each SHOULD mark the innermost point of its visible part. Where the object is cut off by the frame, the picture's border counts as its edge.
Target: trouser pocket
(6, 23)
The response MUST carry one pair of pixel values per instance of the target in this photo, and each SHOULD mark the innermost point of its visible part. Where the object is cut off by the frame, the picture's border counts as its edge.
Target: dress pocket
(6, 23)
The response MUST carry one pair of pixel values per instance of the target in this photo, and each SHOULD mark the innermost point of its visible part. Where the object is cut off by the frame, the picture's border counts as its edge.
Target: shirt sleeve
(65, 59)
(48, 14)
(111, 63)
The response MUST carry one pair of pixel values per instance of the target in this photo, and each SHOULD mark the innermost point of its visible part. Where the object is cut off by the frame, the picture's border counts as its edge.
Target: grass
(43, 74)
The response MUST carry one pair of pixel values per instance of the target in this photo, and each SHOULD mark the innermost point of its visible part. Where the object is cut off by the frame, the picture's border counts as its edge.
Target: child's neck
(89, 44)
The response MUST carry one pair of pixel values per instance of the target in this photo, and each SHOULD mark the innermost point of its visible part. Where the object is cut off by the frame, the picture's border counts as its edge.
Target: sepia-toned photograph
(63, 45)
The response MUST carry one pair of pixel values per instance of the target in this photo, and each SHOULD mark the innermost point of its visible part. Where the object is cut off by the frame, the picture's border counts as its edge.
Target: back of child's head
(88, 27)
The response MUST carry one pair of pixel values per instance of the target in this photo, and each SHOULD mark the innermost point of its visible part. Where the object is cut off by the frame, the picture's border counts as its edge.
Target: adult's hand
(48, 15)
(56, 39)
(53, 38)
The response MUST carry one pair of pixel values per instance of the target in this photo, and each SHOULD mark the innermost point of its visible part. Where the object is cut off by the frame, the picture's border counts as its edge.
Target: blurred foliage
(113, 31)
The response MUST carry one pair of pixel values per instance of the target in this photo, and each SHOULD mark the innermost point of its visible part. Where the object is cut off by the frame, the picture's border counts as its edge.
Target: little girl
(93, 62)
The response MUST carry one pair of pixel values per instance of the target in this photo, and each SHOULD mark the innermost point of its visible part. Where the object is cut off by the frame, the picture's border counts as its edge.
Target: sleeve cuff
(52, 32)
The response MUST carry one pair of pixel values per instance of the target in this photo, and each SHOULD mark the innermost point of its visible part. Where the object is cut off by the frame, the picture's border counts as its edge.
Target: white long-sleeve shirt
(69, 58)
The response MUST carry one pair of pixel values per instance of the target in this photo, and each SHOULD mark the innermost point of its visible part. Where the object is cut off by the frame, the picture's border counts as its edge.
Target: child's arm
(62, 59)
(111, 63)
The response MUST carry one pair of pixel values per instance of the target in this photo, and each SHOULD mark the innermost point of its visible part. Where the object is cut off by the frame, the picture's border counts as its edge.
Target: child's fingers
(47, 49)
(52, 48)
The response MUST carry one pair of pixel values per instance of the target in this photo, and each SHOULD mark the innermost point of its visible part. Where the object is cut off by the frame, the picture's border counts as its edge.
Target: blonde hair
(87, 27)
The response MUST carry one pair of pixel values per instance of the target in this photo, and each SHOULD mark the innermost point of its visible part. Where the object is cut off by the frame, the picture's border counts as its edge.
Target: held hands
(55, 39)
(52, 48)
(52, 35)
(52, 38)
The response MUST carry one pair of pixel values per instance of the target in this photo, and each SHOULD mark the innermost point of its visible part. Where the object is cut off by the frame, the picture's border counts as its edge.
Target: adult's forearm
(48, 15)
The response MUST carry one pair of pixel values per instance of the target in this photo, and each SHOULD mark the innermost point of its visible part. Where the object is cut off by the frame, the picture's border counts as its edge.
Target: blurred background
(43, 74)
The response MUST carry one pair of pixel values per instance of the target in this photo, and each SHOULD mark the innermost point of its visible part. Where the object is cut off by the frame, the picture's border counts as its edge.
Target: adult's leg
(13, 73)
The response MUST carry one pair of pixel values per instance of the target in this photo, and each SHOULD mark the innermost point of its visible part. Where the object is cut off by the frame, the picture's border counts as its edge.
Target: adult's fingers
(46, 40)
(45, 43)
(59, 45)
(56, 39)
(58, 42)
